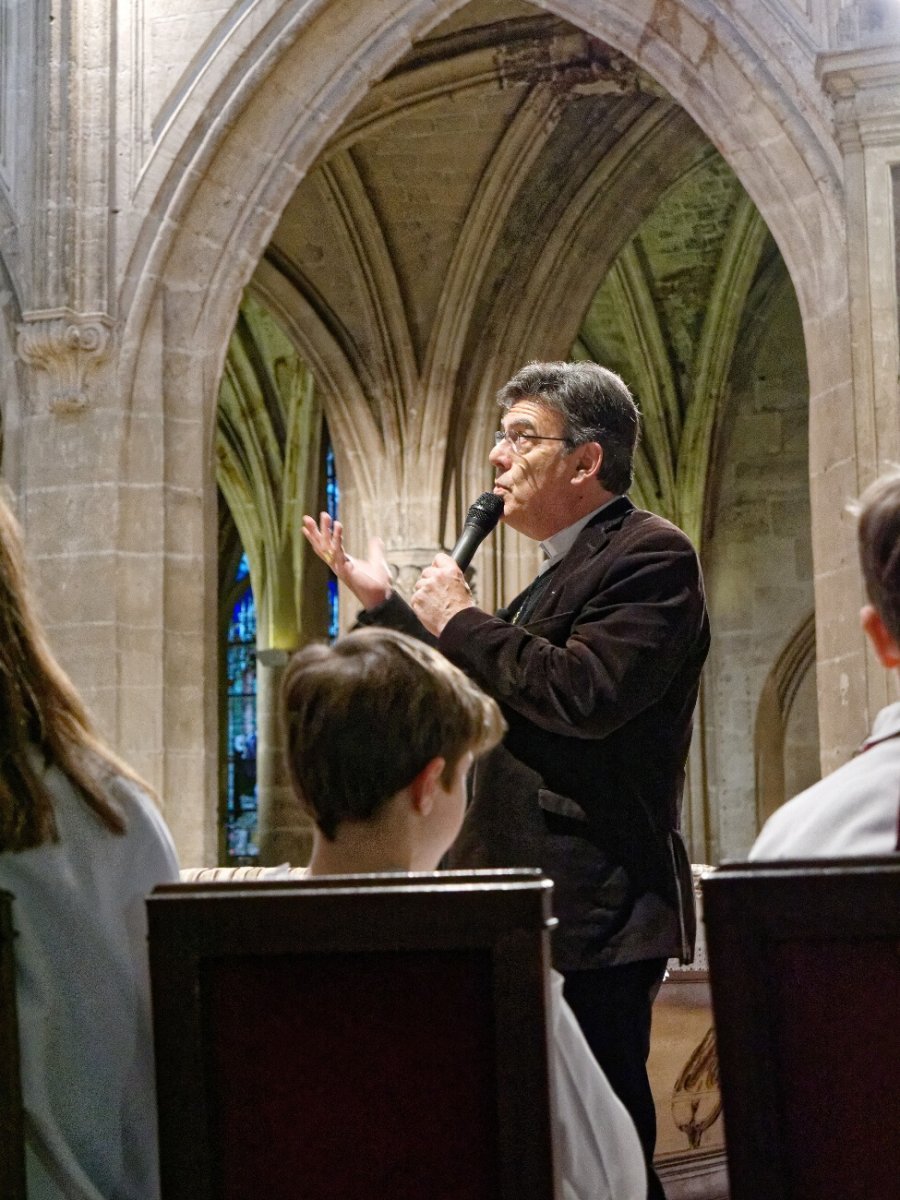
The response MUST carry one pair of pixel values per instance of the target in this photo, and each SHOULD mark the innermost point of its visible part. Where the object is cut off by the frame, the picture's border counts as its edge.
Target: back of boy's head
(879, 548)
(365, 715)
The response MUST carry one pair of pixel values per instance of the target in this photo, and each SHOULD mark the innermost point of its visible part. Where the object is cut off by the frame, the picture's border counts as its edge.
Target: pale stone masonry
(425, 194)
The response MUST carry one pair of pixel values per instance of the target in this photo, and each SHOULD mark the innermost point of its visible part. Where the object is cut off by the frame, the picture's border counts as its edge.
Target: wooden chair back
(12, 1134)
(804, 962)
(380, 1037)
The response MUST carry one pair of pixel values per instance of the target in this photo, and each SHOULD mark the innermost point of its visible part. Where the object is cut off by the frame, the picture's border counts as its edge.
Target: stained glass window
(242, 845)
(241, 795)
(332, 500)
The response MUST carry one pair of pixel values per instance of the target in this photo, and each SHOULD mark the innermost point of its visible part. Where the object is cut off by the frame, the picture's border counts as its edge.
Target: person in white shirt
(854, 811)
(81, 845)
(381, 734)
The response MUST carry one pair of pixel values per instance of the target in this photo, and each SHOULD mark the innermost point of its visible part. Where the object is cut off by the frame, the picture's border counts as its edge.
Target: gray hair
(595, 405)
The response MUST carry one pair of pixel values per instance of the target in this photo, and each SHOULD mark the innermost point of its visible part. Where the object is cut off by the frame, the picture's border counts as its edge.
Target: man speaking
(596, 666)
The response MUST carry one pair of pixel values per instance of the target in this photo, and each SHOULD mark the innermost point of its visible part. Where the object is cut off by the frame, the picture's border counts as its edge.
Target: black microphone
(480, 521)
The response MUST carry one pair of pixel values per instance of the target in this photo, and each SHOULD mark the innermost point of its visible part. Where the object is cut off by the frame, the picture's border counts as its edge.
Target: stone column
(285, 831)
(865, 87)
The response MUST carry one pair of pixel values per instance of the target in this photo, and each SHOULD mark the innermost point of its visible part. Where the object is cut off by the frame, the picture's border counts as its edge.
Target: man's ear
(886, 649)
(588, 461)
(423, 787)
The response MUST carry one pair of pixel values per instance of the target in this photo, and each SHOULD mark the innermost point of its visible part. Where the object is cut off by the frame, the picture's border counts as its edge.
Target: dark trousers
(612, 1005)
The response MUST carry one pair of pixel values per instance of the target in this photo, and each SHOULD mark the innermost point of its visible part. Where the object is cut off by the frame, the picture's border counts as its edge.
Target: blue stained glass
(332, 491)
(243, 620)
(241, 798)
(332, 502)
(333, 613)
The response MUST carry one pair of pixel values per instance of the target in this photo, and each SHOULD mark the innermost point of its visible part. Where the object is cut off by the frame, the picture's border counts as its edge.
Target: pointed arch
(654, 383)
(364, 245)
(734, 276)
(347, 406)
(773, 712)
(259, 108)
(264, 108)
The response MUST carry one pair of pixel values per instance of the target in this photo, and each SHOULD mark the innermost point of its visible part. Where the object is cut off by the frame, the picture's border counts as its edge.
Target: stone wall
(759, 562)
(127, 246)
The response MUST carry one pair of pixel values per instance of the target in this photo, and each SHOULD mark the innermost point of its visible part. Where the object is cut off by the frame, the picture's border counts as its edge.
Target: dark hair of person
(596, 406)
(41, 717)
(879, 548)
(364, 716)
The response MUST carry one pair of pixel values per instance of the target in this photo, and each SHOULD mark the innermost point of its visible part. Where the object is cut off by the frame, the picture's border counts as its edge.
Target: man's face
(534, 479)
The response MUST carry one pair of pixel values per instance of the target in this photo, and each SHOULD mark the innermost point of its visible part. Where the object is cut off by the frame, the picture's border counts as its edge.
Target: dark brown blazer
(598, 686)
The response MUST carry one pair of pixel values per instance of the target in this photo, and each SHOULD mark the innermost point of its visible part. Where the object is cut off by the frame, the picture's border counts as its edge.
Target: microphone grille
(486, 511)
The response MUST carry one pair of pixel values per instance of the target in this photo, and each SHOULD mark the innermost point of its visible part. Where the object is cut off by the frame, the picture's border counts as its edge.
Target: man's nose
(499, 455)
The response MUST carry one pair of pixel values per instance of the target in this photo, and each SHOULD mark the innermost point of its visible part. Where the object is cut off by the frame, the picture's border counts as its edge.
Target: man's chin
(511, 518)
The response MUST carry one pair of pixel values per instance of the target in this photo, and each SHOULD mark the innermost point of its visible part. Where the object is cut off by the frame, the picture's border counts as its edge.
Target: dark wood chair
(804, 961)
(12, 1136)
(354, 1038)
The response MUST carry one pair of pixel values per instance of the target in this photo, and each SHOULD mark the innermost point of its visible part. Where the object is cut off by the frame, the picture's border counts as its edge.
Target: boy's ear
(886, 649)
(423, 787)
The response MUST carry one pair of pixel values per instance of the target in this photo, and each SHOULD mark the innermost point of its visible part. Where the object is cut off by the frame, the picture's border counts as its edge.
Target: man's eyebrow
(519, 423)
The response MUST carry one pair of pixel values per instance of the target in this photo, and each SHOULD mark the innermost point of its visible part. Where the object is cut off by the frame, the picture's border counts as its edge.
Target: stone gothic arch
(787, 166)
(228, 153)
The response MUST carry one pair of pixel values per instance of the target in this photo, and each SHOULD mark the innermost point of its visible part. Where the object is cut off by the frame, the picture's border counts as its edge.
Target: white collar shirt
(559, 544)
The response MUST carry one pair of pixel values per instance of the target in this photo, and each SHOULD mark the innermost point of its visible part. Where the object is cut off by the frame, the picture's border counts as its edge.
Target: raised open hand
(369, 579)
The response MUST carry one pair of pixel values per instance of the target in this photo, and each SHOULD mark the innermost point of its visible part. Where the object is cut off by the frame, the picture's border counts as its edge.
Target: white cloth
(83, 997)
(852, 811)
(598, 1150)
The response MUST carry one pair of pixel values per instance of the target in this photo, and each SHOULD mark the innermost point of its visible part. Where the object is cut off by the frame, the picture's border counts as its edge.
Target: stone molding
(72, 215)
(865, 88)
(67, 345)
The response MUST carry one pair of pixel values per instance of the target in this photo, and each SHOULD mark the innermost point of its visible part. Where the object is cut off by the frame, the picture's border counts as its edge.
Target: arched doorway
(210, 229)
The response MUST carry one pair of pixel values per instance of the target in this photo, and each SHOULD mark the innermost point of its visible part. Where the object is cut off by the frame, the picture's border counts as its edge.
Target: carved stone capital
(407, 564)
(67, 345)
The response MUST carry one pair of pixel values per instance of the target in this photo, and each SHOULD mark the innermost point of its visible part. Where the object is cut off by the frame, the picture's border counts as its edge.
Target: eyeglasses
(514, 436)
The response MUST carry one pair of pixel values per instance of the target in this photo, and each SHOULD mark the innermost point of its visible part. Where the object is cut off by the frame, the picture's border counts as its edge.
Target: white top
(83, 996)
(852, 811)
(598, 1150)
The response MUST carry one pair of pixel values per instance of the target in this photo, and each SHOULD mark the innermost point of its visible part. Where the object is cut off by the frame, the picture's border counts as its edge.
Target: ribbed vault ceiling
(515, 189)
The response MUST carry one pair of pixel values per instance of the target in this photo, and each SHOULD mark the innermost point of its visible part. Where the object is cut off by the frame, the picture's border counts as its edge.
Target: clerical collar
(558, 544)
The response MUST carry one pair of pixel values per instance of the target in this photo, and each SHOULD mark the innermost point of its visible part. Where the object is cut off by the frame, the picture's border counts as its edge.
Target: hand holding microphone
(441, 590)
